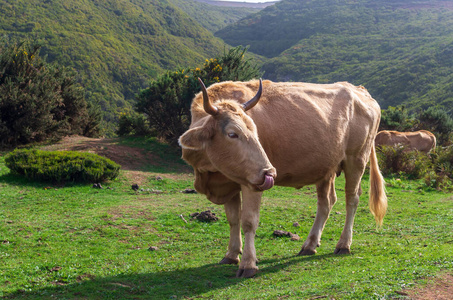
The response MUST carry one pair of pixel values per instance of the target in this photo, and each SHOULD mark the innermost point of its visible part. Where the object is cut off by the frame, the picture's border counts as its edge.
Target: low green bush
(61, 166)
(435, 168)
(398, 160)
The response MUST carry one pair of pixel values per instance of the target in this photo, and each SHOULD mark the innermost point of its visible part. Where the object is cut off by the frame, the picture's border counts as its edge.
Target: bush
(399, 160)
(61, 166)
(436, 169)
(438, 181)
(397, 118)
(133, 124)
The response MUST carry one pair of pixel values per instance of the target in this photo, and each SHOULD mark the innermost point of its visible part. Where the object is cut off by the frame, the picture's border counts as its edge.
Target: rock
(153, 248)
(294, 237)
(189, 191)
(296, 224)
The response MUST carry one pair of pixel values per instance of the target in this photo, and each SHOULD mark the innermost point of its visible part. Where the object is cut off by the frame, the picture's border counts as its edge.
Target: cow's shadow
(174, 284)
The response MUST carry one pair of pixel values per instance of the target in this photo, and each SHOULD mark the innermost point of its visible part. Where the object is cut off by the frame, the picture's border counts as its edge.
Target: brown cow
(421, 140)
(297, 134)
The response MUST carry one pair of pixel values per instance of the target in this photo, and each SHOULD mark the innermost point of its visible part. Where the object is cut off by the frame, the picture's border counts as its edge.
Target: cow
(422, 140)
(246, 137)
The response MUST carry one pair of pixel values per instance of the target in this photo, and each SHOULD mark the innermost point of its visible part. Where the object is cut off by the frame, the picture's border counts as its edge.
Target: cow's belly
(303, 176)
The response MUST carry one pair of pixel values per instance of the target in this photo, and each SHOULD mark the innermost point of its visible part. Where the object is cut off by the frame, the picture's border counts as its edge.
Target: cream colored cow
(288, 134)
(421, 140)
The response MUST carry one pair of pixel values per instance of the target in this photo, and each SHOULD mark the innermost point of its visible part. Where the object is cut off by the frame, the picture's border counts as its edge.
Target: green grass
(77, 242)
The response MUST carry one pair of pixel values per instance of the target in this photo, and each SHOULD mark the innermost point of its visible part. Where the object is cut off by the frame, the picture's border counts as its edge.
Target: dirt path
(128, 157)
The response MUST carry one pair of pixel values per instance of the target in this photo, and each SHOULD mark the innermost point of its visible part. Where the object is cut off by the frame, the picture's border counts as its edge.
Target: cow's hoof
(342, 251)
(307, 252)
(246, 273)
(229, 261)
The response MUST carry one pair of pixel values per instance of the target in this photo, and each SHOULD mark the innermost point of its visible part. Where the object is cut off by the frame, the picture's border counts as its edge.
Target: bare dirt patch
(128, 157)
(439, 289)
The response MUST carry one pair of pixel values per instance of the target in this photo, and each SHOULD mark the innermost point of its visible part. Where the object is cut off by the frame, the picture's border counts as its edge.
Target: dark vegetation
(401, 51)
(61, 166)
(40, 101)
(436, 168)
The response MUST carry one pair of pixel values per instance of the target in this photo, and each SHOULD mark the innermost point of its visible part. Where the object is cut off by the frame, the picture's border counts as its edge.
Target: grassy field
(78, 242)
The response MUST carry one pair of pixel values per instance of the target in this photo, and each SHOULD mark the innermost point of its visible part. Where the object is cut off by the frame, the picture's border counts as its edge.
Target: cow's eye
(232, 135)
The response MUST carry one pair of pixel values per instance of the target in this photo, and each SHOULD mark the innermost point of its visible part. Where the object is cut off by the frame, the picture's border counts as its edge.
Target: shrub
(398, 160)
(438, 181)
(397, 118)
(61, 166)
(436, 169)
(133, 124)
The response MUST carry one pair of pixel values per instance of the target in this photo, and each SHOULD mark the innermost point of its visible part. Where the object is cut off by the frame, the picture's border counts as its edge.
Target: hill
(401, 51)
(213, 16)
(117, 46)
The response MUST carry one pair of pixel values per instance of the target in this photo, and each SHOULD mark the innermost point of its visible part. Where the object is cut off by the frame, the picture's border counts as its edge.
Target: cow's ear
(195, 138)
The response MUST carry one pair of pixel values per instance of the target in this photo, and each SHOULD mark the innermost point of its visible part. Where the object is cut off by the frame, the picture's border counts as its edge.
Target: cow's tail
(378, 198)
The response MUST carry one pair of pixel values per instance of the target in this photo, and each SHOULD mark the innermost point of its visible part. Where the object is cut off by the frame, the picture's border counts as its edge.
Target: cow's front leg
(250, 216)
(233, 214)
(326, 199)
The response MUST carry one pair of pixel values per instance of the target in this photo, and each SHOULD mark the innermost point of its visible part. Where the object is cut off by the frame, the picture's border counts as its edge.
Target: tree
(397, 118)
(166, 102)
(39, 101)
(437, 121)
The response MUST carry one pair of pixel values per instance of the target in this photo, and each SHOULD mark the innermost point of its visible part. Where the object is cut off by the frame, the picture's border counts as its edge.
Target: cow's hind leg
(353, 171)
(250, 215)
(326, 199)
(233, 214)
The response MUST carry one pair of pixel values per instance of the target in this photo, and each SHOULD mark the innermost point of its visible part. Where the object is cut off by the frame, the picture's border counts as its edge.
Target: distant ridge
(401, 51)
(238, 4)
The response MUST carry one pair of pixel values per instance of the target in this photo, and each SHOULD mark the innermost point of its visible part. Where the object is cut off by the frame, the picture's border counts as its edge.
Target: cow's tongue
(267, 184)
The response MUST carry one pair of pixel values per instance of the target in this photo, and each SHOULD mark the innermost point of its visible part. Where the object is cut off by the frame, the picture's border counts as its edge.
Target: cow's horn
(252, 102)
(208, 107)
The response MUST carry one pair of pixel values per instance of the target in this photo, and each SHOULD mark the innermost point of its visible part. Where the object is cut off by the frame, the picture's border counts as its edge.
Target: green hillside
(213, 17)
(117, 46)
(402, 51)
